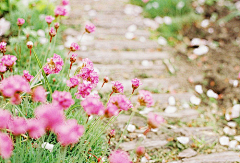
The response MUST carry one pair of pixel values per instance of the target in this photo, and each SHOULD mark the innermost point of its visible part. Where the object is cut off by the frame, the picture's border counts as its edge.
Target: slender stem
(82, 36)
(125, 130)
(147, 131)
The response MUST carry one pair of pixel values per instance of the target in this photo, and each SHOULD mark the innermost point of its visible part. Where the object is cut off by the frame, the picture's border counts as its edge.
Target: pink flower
(73, 82)
(112, 133)
(69, 132)
(27, 76)
(50, 115)
(136, 83)
(121, 101)
(60, 11)
(73, 57)
(155, 120)
(63, 99)
(16, 99)
(5, 117)
(18, 125)
(3, 47)
(90, 28)
(49, 19)
(36, 128)
(119, 156)
(84, 89)
(93, 78)
(145, 1)
(52, 32)
(6, 146)
(87, 63)
(117, 87)
(85, 73)
(9, 60)
(39, 94)
(140, 151)
(111, 110)
(93, 105)
(2, 68)
(74, 46)
(56, 25)
(54, 65)
(20, 21)
(65, 2)
(145, 98)
(14, 84)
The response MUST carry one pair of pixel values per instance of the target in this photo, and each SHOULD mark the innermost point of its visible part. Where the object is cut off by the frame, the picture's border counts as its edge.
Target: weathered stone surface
(223, 157)
(138, 121)
(187, 153)
(113, 57)
(147, 143)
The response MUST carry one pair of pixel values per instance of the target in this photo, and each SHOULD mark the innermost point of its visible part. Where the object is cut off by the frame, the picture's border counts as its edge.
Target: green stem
(125, 130)
(43, 73)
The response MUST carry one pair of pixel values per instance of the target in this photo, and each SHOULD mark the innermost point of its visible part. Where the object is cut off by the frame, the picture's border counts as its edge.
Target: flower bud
(30, 44)
(106, 79)
(20, 22)
(52, 32)
(140, 151)
(112, 133)
(56, 25)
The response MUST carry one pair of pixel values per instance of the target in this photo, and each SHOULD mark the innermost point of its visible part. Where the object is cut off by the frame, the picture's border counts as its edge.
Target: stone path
(121, 49)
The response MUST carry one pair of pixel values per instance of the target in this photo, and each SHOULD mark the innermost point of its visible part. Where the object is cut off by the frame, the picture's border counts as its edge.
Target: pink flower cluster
(60, 11)
(12, 87)
(27, 76)
(65, 2)
(145, 98)
(89, 78)
(119, 156)
(54, 65)
(136, 83)
(9, 60)
(90, 28)
(117, 87)
(49, 19)
(62, 99)
(74, 46)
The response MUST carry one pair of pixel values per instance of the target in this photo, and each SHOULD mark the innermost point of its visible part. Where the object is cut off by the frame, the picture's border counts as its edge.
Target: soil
(220, 64)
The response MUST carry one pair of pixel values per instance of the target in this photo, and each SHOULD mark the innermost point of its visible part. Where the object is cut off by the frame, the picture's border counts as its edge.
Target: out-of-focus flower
(56, 25)
(50, 115)
(136, 83)
(73, 82)
(60, 11)
(9, 60)
(145, 98)
(20, 22)
(111, 110)
(69, 132)
(90, 28)
(39, 94)
(49, 19)
(121, 101)
(18, 125)
(6, 146)
(3, 46)
(36, 128)
(65, 2)
(119, 156)
(14, 84)
(140, 150)
(4, 26)
(155, 120)
(5, 117)
(93, 105)
(63, 99)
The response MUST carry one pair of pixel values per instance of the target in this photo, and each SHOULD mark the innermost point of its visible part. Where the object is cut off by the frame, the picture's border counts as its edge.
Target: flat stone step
(147, 143)
(129, 71)
(162, 99)
(104, 57)
(222, 157)
(148, 83)
(122, 45)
